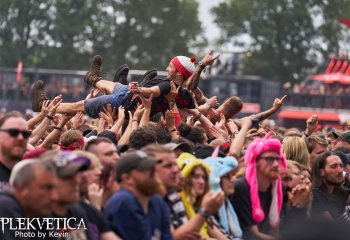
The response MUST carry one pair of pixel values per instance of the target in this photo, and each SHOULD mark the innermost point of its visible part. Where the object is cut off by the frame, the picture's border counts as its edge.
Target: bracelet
(234, 133)
(209, 104)
(58, 128)
(49, 117)
(134, 120)
(173, 130)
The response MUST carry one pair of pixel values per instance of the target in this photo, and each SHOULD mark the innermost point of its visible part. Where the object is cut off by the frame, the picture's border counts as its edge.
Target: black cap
(133, 160)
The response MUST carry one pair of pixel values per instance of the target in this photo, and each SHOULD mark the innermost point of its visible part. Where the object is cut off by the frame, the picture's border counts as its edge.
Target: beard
(150, 187)
(15, 153)
(273, 174)
(334, 182)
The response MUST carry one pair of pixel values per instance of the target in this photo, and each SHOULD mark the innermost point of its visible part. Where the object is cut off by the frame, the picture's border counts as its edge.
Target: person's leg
(93, 77)
(107, 86)
(71, 108)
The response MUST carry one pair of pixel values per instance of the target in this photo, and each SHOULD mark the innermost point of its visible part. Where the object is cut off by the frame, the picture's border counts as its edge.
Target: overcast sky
(211, 30)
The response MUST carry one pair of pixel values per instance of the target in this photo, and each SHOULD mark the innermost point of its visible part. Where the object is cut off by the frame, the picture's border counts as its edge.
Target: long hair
(295, 149)
(319, 164)
(192, 197)
(318, 181)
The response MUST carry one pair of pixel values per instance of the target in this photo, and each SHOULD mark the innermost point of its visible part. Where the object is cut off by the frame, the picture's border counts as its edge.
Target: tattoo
(193, 80)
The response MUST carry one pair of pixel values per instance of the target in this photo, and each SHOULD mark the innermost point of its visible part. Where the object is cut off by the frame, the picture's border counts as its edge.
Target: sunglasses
(15, 132)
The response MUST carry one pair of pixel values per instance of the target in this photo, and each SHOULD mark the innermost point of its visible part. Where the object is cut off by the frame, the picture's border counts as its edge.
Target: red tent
(332, 78)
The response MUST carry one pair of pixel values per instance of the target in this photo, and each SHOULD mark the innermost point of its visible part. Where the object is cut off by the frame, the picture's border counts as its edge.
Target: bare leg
(71, 108)
(106, 86)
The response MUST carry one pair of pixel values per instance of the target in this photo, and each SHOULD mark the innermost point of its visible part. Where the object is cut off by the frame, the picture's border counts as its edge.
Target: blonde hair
(192, 198)
(294, 148)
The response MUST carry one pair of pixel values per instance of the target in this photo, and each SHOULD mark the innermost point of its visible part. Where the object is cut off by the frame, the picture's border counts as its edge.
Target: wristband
(58, 128)
(173, 130)
(203, 213)
(49, 117)
(202, 64)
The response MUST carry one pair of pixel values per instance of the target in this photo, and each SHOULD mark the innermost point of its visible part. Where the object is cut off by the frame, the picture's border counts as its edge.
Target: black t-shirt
(160, 104)
(76, 211)
(242, 204)
(96, 223)
(322, 202)
(4, 176)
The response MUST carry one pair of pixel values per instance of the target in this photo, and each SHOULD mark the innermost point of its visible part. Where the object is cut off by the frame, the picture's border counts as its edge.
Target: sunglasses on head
(15, 132)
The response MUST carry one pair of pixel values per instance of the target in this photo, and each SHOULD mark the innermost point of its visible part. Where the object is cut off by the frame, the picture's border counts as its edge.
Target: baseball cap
(183, 146)
(134, 160)
(67, 163)
(344, 135)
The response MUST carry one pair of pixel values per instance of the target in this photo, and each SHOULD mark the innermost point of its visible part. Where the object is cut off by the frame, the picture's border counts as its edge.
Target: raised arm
(193, 80)
(277, 104)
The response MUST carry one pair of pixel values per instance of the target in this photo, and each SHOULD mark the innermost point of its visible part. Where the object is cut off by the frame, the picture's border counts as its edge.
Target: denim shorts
(95, 105)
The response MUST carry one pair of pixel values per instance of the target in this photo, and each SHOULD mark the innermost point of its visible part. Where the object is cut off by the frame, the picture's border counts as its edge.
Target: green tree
(21, 23)
(286, 37)
(146, 34)
(65, 34)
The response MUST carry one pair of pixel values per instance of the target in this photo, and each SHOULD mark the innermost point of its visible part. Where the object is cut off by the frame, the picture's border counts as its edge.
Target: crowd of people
(316, 94)
(156, 159)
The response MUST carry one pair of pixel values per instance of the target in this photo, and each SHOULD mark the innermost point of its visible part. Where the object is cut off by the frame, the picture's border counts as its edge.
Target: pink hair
(259, 146)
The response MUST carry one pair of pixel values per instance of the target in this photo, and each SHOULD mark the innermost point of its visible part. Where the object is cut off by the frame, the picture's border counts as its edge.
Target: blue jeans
(95, 105)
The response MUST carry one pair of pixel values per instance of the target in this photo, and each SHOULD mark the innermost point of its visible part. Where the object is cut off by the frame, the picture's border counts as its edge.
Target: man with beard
(258, 197)
(136, 211)
(14, 137)
(329, 197)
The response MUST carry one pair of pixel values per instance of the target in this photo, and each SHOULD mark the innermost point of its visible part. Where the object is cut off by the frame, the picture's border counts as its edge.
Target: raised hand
(78, 120)
(277, 103)
(93, 93)
(209, 59)
(121, 112)
(147, 102)
(311, 124)
(110, 111)
(169, 120)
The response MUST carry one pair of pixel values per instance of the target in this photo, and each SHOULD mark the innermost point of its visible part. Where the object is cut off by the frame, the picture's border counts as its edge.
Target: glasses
(271, 159)
(15, 132)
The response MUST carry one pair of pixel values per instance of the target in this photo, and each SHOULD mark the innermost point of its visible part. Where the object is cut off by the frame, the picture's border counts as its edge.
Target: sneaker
(38, 96)
(93, 75)
(149, 75)
(121, 74)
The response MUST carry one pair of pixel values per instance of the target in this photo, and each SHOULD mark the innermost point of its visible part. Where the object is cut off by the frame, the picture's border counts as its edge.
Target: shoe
(121, 74)
(93, 75)
(38, 96)
(149, 75)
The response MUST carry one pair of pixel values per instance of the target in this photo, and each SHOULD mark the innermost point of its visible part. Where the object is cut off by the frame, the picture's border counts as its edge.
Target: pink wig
(259, 146)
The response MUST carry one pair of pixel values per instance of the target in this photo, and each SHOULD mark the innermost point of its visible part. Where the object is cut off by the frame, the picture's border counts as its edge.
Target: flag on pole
(19, 71)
